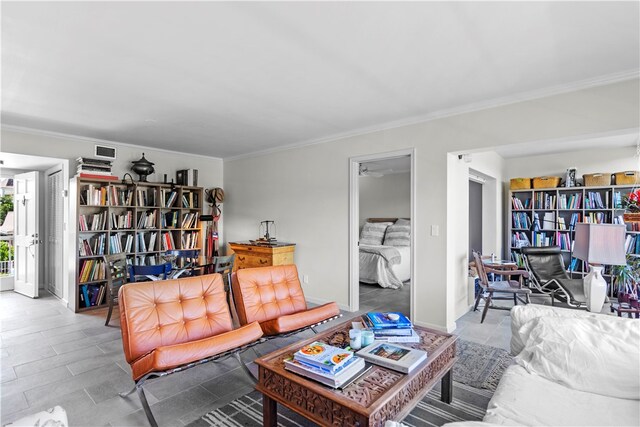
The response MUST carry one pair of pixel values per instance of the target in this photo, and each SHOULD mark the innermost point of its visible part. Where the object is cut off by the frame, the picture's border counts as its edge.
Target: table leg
(446, 387)
(269, 412)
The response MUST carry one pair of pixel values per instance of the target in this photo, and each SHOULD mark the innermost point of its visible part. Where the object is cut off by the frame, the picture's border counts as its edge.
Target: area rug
(476, 374)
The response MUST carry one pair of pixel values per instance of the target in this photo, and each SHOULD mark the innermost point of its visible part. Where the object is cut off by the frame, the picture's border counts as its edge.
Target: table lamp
(598, 245)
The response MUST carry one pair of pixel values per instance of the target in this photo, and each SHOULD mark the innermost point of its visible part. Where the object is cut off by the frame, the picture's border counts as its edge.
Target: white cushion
(398, 235)
(524, 399)
(373, 233)
(590, 354)
(521, 314)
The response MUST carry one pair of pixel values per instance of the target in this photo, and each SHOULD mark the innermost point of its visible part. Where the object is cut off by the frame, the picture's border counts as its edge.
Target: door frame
(59, 168)
(354, 223)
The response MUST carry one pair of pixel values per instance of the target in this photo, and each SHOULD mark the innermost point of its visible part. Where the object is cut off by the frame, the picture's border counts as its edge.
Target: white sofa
(573, 368)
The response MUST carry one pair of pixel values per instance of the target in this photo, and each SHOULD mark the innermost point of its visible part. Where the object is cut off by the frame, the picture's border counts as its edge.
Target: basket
(597, 179)
(546, 181)
(520, 183)
(628, 177)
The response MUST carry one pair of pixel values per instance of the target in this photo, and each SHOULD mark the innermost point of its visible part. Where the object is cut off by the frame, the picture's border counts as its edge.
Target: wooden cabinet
(251, 255)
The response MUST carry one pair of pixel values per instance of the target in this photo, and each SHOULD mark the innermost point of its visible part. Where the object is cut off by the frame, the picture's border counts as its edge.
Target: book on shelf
(393, 356)
(549, 221)
(352, 369)
(96, 175)
(386, 320)
(323, 356)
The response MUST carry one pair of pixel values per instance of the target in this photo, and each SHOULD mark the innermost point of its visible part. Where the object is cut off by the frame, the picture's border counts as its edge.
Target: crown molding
(60, 135)
(449, 112)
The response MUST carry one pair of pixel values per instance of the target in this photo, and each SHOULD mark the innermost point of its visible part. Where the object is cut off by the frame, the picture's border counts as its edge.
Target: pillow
(402, 221)
(398, 235)
(590, 354)
(373, 232)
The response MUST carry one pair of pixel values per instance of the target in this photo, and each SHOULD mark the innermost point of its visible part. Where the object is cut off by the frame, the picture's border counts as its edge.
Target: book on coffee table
(393, 320)
(323, 356)
(393, 356)
(350, 370)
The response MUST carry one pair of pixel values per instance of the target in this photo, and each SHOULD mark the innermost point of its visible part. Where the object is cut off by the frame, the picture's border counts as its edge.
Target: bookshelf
(545, 217)
(141, 219)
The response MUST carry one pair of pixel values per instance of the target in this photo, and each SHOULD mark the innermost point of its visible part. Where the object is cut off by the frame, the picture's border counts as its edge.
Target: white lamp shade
(601, 244)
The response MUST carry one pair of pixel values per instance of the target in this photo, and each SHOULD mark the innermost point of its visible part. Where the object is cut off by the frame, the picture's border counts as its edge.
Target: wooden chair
(513, 287)
(273, 297)
(149, 272)
(172, 325)
(116, 277)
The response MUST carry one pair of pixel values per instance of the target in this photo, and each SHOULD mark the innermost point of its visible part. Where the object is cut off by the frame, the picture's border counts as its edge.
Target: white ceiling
(552, 147)
(229, 78)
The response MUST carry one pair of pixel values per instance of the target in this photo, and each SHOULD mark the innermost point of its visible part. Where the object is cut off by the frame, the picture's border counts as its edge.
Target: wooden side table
(250, 255)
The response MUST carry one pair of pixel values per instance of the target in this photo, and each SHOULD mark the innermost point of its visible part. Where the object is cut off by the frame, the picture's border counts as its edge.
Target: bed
(387, 264)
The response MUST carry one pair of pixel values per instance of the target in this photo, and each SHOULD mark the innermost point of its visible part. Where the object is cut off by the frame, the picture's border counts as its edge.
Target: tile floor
(51, 356)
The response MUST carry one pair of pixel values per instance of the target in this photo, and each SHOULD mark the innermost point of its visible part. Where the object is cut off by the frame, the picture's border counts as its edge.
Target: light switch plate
(435, 230)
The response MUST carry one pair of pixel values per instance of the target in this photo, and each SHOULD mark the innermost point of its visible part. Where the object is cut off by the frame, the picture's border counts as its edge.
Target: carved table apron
(381, 394)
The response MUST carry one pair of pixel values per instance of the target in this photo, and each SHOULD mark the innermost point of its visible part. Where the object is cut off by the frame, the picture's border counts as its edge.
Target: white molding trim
(321, 301)
(354, 227)
(449, 329)
(51, 134)
(454, 111)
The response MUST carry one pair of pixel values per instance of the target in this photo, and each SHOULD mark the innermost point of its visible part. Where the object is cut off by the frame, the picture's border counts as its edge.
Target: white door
(53, 231)
(27, 235)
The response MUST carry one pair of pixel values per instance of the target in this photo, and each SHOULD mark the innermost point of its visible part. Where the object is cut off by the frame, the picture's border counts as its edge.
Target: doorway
(38, 234)
(475, 216)
(381, 210)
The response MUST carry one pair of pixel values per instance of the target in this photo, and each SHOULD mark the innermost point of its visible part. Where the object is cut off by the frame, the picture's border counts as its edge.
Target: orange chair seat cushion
(172, 356)
(291, 322)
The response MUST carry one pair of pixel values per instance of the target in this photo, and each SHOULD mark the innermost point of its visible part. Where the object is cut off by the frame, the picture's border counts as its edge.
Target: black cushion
(545, 263)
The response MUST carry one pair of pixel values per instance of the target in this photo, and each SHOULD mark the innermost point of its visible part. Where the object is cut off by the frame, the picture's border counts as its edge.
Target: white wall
(388, 196)
(306, 189)
(210, 169)
(490, 166)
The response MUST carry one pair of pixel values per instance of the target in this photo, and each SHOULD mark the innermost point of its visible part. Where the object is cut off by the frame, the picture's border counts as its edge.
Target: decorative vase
(595, 289)
(143, 168)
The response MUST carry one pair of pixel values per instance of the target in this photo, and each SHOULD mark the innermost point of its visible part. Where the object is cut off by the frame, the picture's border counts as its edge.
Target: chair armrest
(522, 273)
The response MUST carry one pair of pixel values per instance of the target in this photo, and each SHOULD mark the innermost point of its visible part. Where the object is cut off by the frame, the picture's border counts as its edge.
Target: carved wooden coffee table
(379, 395)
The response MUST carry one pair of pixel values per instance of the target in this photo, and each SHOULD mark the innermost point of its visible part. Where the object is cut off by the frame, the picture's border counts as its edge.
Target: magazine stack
(329, 365)
(391, 327)
(95, 168)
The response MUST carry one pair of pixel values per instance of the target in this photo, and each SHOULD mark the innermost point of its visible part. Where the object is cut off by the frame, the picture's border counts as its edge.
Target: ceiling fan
(364, 171)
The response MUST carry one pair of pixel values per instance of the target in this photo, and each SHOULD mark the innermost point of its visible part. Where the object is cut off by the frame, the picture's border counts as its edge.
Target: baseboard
(450, 328)
(321, 301)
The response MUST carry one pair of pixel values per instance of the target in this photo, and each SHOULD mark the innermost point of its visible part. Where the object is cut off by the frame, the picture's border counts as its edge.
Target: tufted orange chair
(273, 297)
(172, 323)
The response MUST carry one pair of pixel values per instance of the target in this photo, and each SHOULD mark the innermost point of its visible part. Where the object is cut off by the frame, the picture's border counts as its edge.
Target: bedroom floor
(375, 298)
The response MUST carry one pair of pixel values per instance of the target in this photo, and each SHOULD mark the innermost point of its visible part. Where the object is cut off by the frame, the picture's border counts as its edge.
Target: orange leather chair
(170, 325)
(273, 297)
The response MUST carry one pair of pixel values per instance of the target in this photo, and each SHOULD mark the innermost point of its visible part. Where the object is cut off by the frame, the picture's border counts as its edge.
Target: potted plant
(626, 278)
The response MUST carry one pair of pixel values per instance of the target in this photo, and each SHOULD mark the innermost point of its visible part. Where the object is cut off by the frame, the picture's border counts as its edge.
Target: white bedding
(375, 269)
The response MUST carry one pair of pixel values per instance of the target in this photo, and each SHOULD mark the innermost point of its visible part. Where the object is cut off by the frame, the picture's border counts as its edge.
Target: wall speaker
(104, 152)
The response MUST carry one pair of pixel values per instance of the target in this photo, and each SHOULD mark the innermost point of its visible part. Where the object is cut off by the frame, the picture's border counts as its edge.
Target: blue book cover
(85, 293)
(382, 320)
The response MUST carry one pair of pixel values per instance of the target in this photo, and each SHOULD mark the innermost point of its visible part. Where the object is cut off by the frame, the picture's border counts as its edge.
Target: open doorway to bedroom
(381, 210)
